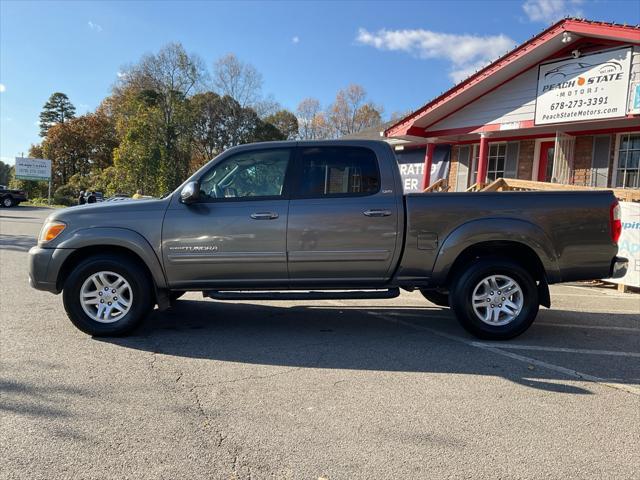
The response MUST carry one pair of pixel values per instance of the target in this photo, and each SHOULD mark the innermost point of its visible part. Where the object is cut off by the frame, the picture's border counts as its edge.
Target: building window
(497, 158)
(496, 161)
(628, 169)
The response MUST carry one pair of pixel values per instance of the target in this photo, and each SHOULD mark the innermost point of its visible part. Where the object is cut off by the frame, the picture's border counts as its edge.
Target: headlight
(51, 230)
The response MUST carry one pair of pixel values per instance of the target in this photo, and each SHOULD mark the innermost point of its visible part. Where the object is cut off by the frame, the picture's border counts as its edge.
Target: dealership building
(562, 107)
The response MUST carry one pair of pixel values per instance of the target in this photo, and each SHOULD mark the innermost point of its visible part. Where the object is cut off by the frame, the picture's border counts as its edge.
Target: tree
(312, 122)
(286, 123)
(220, 122)
(241, 81)
(351, 113)
(79, 146)
(266, 107)
(58, 109)
(6, 172)
(157, 89)
(137, 158)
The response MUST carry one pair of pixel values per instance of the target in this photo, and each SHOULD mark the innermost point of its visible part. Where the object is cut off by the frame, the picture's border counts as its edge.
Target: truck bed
(569, 231)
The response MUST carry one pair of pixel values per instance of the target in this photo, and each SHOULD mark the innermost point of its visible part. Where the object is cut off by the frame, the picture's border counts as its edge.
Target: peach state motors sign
(590, 87)
(33, 169)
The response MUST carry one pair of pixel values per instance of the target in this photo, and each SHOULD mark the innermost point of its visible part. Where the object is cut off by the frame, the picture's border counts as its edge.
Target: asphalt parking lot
(310, 390)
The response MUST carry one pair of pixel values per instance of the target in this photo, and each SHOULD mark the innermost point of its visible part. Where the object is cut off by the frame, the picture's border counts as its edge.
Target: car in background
(9, 198)
(99, 196)
(118, 197)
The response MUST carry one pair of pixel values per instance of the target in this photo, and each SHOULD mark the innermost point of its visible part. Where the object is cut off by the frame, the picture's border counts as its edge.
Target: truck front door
(236, 233)
(343, 222)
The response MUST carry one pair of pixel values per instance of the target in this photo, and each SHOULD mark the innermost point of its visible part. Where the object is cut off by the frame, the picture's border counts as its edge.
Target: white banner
(590, 87)
(629, 243)
(33, 169)
(412, 174)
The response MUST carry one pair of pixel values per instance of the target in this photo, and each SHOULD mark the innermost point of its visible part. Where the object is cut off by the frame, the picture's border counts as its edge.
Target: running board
(302, 295)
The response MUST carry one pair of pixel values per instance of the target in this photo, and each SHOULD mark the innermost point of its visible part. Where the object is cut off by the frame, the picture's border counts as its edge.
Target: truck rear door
(343, 218)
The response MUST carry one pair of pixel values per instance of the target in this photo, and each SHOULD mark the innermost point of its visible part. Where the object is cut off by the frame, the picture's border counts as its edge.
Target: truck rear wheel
(107, 295)
(495, 299)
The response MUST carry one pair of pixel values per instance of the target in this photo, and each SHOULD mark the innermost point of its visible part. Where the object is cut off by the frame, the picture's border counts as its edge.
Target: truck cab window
(247, 175)
(337, 171)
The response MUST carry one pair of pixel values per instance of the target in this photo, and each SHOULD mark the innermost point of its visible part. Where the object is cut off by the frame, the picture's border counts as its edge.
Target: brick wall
(453, 168)
(525, 159)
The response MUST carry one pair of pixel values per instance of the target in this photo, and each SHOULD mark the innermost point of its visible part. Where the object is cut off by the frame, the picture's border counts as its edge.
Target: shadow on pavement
(18, 243)
(34, 400)
(333, 338)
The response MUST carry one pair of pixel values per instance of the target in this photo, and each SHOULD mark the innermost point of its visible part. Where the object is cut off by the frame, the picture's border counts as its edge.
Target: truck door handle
(264, 216)
(377, 212)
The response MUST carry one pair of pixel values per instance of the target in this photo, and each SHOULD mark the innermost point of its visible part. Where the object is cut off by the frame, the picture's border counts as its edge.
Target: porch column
(483, 159)
(428, 161)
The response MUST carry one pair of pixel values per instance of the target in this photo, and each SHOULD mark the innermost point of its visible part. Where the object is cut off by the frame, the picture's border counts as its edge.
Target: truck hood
(108, 210)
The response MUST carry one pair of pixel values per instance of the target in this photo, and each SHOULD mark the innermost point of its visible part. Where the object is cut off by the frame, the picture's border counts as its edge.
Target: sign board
(629, 243)
(33, 169)
(635, 99)
(412, 174)
(590, 87)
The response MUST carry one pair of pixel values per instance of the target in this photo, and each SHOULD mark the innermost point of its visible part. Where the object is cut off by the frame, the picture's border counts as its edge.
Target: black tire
(462, 294)
(8, 201)
(131, 271)
(435, 297)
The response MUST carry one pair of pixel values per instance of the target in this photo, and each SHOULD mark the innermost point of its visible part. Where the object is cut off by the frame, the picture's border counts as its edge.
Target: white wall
(513, 101)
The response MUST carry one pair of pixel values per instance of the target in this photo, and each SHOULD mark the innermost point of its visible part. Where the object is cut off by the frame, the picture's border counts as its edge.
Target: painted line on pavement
(607, 312)
(540, 348)
(602, 291)
(608, 295)
(499, 351)
(593, 327)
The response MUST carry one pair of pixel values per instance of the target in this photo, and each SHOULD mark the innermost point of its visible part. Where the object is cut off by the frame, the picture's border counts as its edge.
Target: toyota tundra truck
(325, 219)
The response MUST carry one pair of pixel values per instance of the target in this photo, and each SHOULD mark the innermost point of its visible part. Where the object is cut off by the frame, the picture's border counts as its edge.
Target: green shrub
(65, 195)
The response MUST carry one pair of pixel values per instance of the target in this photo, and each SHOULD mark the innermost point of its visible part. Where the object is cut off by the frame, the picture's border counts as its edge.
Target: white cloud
(94, 26)
(2, 87)
(121, 74)
(295, 40)
(465, 53)
(550, 11)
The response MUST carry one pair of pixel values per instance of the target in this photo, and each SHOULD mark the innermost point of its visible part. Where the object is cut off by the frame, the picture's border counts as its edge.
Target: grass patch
(41, 202)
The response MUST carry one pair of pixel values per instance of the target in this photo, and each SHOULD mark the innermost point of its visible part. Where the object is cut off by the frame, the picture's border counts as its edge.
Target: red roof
(586, 28)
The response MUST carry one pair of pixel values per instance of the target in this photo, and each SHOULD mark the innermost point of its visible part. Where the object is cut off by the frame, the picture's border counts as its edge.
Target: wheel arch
(514, 239)
(118, 241)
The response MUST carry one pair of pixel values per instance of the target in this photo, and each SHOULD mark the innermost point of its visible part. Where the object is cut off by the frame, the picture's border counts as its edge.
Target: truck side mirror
(190, 193)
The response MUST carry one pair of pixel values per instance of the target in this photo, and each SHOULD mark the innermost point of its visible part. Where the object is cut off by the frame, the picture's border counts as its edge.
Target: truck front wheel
(107, 295)
(495, 299)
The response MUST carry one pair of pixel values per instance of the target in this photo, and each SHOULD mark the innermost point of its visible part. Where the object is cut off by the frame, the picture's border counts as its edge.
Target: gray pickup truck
(329, 219)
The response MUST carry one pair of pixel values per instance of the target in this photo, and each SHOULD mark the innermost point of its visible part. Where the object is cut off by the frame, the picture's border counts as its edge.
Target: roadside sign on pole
(33, 169)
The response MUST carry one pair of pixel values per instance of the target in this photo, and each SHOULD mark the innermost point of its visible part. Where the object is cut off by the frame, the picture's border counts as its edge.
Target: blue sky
(403, 53)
